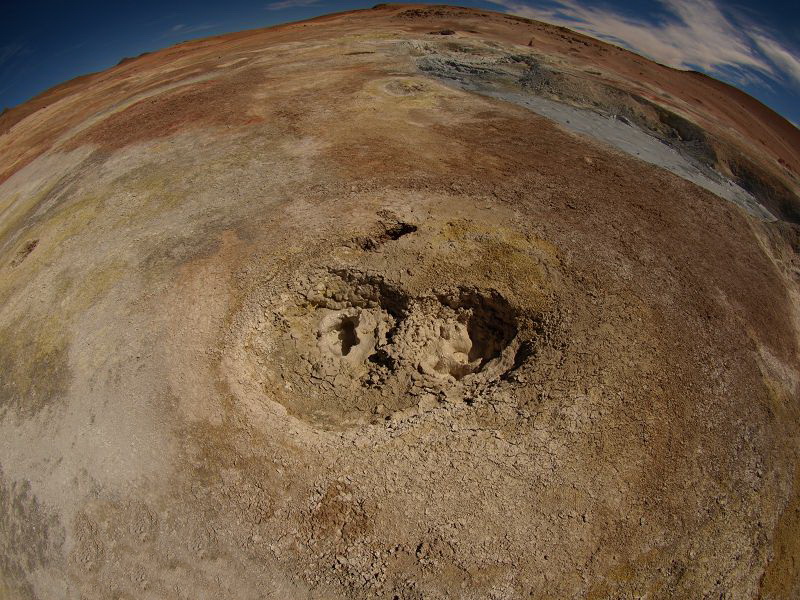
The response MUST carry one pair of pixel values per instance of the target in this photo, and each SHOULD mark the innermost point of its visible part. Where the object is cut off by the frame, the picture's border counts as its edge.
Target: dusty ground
(290, 314)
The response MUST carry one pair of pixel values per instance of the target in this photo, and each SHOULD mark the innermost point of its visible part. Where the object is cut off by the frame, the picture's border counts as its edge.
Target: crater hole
(347, 334)
(486, 327)
(490, 333)
(398, 230)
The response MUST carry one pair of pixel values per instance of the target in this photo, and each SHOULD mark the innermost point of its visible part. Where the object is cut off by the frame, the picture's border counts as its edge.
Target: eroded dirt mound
(330, 311)
(350, 347)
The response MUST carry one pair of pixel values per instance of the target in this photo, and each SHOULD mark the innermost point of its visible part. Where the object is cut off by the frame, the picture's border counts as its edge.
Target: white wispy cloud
(9, 51)
(785, 60)
(182, 28)
(688, 34)
(284, 4)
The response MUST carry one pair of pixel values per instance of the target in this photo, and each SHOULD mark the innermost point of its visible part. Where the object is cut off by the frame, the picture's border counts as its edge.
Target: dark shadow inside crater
(347, 334)
(491, 324)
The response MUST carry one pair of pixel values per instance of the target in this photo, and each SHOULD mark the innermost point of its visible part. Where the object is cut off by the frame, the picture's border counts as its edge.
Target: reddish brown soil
(713, 103)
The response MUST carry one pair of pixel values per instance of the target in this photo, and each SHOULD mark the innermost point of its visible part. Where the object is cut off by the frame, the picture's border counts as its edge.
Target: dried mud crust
(345, 347)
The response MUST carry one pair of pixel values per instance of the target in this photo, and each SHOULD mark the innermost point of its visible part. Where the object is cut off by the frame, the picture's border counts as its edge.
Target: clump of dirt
(23, 252)
(391, 231)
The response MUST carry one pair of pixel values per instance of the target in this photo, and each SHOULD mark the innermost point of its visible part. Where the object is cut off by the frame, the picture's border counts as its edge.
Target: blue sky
(754, 45)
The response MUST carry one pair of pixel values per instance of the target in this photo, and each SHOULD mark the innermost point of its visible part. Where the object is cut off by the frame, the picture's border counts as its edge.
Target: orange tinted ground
(725, 109)
(211, 103)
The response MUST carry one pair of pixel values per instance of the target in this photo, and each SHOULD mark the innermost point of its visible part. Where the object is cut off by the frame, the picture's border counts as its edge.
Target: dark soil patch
(23, 252)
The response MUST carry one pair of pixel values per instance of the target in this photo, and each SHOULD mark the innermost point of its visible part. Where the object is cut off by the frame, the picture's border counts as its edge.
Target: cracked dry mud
(287, 314)
(349, 347)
